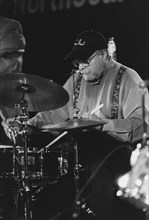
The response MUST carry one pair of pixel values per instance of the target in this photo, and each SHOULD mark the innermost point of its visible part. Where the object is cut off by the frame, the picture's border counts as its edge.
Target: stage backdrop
(50, 27)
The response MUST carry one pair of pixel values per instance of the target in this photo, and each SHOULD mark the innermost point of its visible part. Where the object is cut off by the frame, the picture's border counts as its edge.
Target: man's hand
(11, 127)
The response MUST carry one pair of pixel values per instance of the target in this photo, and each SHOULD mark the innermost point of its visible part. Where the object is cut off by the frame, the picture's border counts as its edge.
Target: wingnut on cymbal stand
(22, 119)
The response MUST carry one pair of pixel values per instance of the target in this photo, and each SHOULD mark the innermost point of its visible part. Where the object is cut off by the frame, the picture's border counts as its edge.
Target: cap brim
(79, 55)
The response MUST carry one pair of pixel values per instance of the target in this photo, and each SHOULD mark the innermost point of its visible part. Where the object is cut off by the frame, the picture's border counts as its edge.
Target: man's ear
(105, 54)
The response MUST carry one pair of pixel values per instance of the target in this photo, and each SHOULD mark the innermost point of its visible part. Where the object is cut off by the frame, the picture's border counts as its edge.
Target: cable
(98, 168)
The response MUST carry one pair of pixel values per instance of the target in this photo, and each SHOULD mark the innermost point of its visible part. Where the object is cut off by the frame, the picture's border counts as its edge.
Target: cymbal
(73, 124)
(41, 94)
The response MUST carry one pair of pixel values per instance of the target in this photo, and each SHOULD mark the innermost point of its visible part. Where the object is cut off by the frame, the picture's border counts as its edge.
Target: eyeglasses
(12, 54)
(85, 62)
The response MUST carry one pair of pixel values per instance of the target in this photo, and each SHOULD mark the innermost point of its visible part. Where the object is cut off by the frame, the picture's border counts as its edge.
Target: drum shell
(54, 164)
(33, 164)
(33, 161)
(6, 162)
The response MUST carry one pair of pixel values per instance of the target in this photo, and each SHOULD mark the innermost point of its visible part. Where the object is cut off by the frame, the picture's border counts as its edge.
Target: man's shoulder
(131, 76)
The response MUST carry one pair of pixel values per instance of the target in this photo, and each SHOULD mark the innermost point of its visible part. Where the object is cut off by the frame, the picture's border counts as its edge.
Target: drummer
(12, 47)
(100, 81)
(104, 89)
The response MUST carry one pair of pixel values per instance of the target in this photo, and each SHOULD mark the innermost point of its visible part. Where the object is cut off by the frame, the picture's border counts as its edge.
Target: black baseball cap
(86, 43)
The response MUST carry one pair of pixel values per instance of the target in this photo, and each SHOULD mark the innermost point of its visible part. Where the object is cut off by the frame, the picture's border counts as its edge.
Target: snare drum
(44, 165)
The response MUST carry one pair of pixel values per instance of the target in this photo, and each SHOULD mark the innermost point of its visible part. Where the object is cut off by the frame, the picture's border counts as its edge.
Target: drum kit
(33, 168)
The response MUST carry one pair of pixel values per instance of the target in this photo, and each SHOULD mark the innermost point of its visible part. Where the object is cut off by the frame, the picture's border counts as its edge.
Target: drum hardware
(27, 92)
(46, 166)
(24, 134)
(74, 126)
(33, 93)
(76, 213)
(63, 164)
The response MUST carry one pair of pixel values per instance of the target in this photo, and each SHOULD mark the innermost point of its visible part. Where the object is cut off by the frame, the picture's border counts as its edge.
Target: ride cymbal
(75, 123)
(40, 94)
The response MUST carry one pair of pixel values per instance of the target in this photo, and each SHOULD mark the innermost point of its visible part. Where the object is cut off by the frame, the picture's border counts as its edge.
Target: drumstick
(5, 146)
(97, 108)
(56, 139)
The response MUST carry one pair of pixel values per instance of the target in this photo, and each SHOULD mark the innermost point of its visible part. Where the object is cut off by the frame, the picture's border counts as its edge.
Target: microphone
(144, 84)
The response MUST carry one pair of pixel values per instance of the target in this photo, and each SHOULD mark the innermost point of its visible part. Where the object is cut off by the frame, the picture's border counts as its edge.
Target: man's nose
(82, 66)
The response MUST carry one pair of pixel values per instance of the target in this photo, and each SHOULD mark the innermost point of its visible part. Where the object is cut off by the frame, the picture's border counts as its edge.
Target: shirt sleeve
(130, 127)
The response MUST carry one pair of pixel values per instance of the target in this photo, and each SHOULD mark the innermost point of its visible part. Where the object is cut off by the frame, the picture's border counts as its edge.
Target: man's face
(93, 67)
(11, 63)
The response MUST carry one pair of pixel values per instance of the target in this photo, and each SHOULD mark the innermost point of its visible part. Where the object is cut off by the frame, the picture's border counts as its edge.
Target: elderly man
(12, 47)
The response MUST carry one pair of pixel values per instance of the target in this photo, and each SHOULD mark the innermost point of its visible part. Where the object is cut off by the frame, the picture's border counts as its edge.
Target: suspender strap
(115, 98)
(76, 96)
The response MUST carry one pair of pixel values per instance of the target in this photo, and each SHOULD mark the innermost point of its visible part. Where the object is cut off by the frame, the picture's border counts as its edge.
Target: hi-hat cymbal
(41, 94)
(73, 124)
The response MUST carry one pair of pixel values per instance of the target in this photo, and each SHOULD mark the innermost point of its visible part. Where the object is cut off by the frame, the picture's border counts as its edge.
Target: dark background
(50, 34)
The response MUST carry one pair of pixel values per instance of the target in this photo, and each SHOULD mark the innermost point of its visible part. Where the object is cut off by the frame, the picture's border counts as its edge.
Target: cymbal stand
(79, 203)
(76, 213)
(22, 119)
(76, 209)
